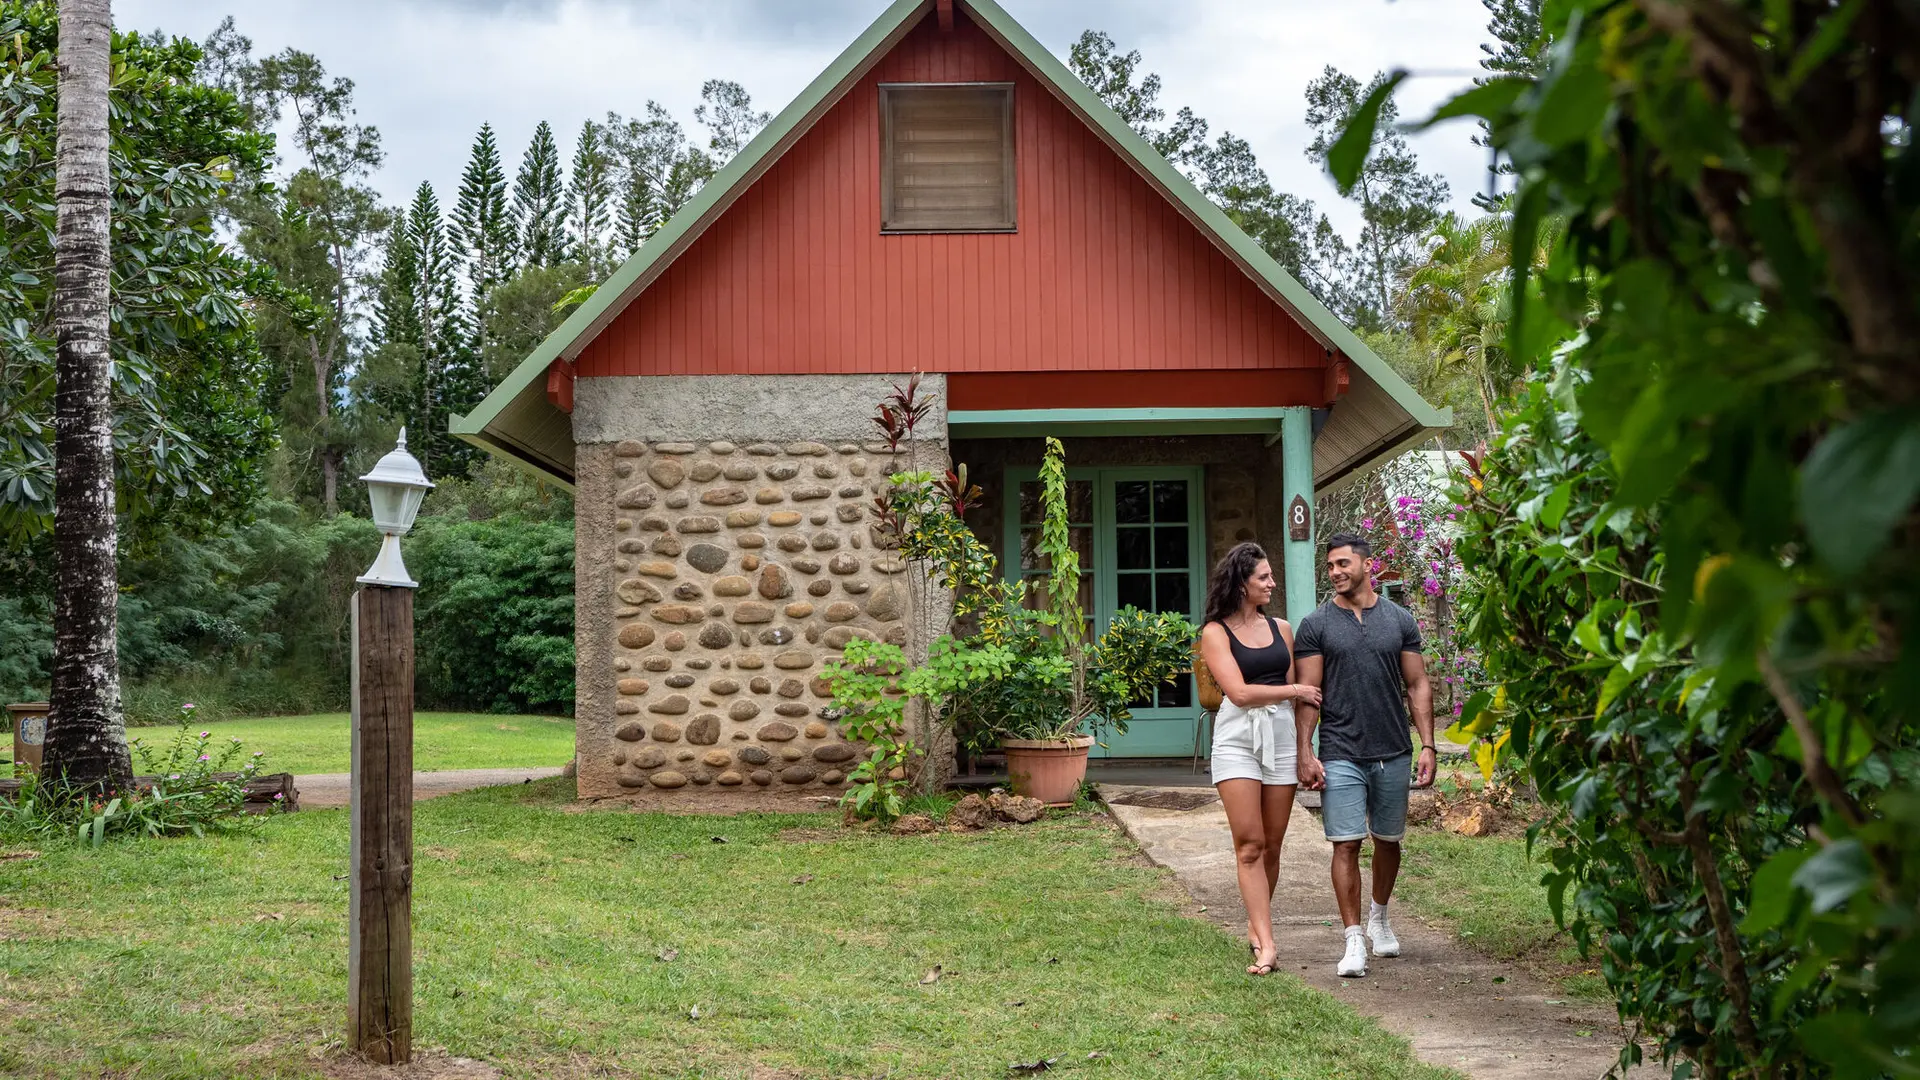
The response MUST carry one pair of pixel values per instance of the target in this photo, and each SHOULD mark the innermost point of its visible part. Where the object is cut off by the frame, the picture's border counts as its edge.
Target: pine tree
(727, 112)
(587, 199)
(646, 154)
(1519, 48)
(1398, 203)
(484, 229)
(395, 317)
(537, 201)
(448, 375)
(639, 212)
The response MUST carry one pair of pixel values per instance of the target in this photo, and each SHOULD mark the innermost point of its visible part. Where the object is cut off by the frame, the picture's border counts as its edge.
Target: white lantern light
(394, 487)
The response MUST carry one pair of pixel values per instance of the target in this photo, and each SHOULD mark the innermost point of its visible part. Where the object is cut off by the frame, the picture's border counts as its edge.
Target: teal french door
(1138, 533)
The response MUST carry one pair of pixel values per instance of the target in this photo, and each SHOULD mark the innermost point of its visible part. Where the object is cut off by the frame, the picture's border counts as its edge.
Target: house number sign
(1299, 519)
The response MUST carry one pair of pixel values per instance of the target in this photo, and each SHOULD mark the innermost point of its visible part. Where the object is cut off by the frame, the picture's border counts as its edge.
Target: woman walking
(1250, 655)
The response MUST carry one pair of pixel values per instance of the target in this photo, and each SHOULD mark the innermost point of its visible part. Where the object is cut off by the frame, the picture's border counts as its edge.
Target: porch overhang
(1086, 423)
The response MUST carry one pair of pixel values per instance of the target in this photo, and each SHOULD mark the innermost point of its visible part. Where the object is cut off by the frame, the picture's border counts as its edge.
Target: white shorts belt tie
(1255, 744)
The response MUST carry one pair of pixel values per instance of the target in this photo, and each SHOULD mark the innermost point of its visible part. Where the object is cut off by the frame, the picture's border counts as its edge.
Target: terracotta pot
(1047, 769)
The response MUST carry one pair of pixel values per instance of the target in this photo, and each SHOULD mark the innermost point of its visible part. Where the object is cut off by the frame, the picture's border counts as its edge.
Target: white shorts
(1255, 744)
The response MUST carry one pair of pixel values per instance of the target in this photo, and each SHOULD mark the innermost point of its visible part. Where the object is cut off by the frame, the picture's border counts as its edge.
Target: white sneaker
(1354, 964)
(1380, 931)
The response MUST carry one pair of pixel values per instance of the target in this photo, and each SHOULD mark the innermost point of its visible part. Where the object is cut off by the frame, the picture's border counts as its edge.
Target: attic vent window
(946, 160)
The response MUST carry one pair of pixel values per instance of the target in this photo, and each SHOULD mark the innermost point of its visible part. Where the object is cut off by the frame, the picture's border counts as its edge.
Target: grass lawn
(1489, 892)
(557, 943)
(322, 743)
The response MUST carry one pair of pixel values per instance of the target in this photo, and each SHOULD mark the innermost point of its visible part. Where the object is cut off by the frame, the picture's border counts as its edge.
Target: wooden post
(380, 905)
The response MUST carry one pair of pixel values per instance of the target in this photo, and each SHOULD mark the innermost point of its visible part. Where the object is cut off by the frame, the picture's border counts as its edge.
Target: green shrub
(494, 618)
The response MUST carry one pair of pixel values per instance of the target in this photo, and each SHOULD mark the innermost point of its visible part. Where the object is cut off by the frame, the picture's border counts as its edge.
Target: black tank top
(1262, 667)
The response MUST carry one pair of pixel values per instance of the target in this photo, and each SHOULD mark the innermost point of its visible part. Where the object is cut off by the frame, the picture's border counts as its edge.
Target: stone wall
(716, 577)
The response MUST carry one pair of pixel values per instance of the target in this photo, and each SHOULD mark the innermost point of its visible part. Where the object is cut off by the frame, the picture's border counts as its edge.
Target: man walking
(1363, 652)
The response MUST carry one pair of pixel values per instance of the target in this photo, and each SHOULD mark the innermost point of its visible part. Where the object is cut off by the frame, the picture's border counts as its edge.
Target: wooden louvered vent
(946, 161)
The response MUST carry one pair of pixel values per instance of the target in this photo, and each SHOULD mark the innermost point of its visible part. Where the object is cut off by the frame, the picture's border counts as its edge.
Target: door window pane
(1131, 503)
(1171, 593)
(1177, 694)
(1169, 547)
(1136, 590)
(1132, 549)
(1169, 500)
(1080, 502)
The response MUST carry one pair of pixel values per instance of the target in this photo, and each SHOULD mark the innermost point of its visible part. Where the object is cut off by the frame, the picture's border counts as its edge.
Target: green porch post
(1296, 479)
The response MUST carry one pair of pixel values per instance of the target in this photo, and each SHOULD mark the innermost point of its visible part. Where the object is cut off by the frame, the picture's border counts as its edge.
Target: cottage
(945, 198)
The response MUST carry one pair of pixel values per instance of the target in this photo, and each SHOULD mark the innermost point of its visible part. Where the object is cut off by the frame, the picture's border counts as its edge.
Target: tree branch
(1813, 752)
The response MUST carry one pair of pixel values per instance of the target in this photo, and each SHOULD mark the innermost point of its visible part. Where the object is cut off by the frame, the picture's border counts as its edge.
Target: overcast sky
(428, 72)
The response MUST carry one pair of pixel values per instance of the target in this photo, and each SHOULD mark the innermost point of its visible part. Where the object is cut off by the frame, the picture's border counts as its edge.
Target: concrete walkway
(1441, 997)
(320, 791)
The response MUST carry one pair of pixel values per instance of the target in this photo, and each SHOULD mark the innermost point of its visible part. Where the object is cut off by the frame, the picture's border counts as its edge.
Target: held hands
(1425, 768)
(1301, 692)
(1312, 775)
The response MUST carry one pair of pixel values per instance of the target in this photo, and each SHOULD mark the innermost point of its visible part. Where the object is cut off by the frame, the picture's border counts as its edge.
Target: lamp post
(380, 890)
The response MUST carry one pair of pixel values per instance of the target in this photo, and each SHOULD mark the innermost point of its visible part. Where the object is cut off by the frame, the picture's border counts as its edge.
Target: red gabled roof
(1104, 273)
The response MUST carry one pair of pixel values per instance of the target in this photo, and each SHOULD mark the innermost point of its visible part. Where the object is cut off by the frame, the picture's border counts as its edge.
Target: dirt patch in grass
(432, 1065)
(32, 924)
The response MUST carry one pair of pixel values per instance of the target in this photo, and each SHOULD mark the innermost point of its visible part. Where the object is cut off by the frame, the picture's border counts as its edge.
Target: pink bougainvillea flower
(188, 707)
(206, 734)
(204, 757)
(1367, 524)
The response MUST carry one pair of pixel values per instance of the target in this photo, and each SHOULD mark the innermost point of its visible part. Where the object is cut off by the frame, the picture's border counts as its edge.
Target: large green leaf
(1773, 891)
(1858, 483)
(1349, 153)
(1835, 875)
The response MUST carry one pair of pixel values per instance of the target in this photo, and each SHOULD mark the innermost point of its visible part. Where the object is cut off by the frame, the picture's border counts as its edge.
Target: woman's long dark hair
(1227, 585)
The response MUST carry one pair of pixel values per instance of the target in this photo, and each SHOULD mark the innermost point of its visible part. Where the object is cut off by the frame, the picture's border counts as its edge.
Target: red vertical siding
(1103, 273)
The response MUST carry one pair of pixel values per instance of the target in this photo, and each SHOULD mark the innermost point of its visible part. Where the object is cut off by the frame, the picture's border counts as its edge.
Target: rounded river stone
(649, 757)
(671, 705)
(680, 681)
(666, 731)
(715, 636)
(798, 774)
(704, 731)
(636, 635)
(631, 731)
(743, 711)
(755, 755)
(707, 558)
(778, 731)
(667, 778)
(762, 777)
(833, 752)
(729, 779)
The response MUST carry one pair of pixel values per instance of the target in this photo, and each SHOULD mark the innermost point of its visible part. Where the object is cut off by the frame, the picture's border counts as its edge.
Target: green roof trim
(822, 93)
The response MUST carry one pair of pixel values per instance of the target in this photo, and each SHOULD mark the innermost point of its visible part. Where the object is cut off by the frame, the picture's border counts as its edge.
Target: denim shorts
(1364, 797)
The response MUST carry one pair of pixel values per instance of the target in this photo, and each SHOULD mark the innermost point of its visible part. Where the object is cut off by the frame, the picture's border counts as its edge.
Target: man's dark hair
(1353, 540)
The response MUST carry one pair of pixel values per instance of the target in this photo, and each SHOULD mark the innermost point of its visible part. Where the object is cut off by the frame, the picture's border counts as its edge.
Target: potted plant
(1063, 690)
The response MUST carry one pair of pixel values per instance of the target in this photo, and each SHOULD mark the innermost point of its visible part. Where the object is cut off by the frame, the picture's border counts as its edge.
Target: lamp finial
(403, 438)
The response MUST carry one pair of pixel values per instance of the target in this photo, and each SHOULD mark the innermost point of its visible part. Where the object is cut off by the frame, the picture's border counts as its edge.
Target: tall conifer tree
(484, 232)
(395, 314)
(588, 197)
(538, 201)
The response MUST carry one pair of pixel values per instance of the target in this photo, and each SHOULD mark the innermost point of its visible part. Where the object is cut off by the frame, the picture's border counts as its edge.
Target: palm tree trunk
(86, 733)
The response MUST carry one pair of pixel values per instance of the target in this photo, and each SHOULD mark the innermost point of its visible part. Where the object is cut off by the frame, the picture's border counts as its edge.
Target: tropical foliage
(1695, 555)
(189, 426)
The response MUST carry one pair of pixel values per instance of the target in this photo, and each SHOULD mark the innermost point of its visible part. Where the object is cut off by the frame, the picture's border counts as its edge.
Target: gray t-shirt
(1363, 713)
